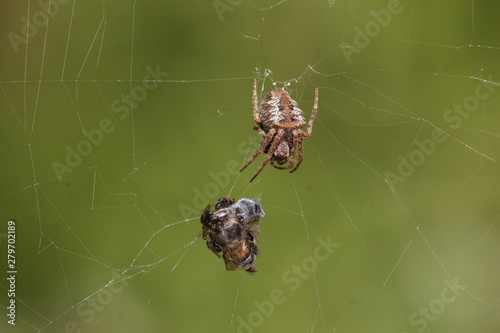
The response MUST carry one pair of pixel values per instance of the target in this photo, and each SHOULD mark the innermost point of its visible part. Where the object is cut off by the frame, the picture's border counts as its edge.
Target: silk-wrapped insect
(231, 231)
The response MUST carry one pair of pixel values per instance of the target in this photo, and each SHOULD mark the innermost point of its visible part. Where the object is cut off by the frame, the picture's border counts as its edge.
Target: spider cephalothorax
(279, 121)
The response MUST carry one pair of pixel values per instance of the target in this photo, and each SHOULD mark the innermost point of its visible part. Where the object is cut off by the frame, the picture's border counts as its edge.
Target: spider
(279, 121)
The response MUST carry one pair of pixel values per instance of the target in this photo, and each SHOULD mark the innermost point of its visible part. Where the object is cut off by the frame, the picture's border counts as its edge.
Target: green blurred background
(111, 245)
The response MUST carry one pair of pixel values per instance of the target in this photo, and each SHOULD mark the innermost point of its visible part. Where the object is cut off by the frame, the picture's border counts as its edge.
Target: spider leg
(267, 139)
(270, 153)
(313, 113)
(296, 141)
(256, 117)
(261, 132)
(301, 154)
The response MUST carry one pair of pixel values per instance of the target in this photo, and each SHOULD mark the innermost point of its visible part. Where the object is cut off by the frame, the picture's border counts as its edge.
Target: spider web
(122, 120)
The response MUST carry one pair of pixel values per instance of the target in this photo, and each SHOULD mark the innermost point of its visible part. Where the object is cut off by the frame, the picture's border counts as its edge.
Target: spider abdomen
(278, 108)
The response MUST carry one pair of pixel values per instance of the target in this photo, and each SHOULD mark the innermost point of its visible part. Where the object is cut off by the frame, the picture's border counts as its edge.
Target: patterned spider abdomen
(278, 108)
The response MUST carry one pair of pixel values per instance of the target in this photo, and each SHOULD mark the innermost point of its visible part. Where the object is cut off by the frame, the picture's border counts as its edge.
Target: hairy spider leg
(313, 113)
(256, 117)
(272, 149)
(261, 132)
(301, 152)
(300, 142)
(267, 139)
